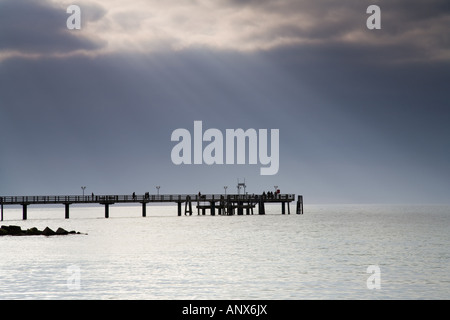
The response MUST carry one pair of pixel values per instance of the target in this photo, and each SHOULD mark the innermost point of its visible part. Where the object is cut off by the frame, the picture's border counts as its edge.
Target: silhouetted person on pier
(134, 195)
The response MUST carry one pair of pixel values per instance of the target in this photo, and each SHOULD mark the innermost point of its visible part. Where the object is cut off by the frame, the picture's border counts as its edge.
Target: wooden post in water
(213, 208)
(240, 208)
(261, 209)
(300, 205)
(179, 208)
(24, 211)
(66, 205)
(144, 209)
(230, 210)
(198, 205)
(106, 210)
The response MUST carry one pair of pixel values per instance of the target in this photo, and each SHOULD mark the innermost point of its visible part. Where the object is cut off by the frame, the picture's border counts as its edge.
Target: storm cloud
(417, 29)
(38, 29)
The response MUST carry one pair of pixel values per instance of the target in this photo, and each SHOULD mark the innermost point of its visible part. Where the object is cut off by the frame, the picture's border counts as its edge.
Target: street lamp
(83, 190)
(157, 188)
(225, 187)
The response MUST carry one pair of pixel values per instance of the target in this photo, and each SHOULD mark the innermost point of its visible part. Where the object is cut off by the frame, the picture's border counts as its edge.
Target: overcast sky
(363, 114)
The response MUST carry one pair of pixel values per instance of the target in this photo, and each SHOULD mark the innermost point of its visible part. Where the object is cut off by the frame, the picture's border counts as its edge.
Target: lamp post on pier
(225, 188)
(83, 190)
(157, 190)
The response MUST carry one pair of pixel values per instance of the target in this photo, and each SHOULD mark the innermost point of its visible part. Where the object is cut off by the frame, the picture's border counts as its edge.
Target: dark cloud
(39, 27)
(418, 29)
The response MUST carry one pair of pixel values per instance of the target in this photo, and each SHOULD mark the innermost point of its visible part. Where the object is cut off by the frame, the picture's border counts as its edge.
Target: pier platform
(224, 204)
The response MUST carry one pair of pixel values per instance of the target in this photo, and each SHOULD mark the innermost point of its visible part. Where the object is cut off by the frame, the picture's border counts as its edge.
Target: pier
(231, 204)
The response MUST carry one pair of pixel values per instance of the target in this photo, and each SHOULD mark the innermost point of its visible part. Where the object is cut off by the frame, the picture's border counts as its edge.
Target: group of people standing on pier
(270, 194)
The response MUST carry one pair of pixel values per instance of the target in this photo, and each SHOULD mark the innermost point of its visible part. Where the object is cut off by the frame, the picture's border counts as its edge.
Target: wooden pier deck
(225, 204)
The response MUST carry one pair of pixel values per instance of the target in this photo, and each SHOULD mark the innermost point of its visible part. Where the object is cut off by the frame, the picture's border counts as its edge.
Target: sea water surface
(323, 254)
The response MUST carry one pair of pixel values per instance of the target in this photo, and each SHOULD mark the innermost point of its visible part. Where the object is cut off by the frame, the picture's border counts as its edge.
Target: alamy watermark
(190, 148)
(74, 279)
(374, 280)
(374, 21)
(74, 20)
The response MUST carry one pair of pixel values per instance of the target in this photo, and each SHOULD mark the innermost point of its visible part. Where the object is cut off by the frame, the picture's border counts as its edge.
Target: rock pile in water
(17, 231)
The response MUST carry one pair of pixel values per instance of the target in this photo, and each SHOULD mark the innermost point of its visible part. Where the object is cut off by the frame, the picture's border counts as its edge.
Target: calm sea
(330, 252)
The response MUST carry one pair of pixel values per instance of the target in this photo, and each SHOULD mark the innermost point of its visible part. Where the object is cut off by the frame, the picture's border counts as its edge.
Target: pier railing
(10, 200)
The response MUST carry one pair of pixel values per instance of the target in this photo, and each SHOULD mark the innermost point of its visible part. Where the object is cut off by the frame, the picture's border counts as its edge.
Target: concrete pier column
(300, 205)
(2, 212)
(179, 208)
(283, 207)
(106, 210)
(240, 208)
(261, 208)
(24, 211)
(213, 208)
(144, 209)
(66, 205)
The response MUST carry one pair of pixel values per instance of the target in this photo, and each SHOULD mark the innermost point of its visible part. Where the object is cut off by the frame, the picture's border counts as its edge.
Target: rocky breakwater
(17, 231)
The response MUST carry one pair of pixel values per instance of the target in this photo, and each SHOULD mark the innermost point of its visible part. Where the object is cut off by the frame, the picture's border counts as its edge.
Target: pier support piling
(2, 212)
(24, 211)
(144, 209)
(300, 205)
(106, 210)
(179, 209)
(66, 205)
(213, 208)
(261, 209)
(240, 208)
